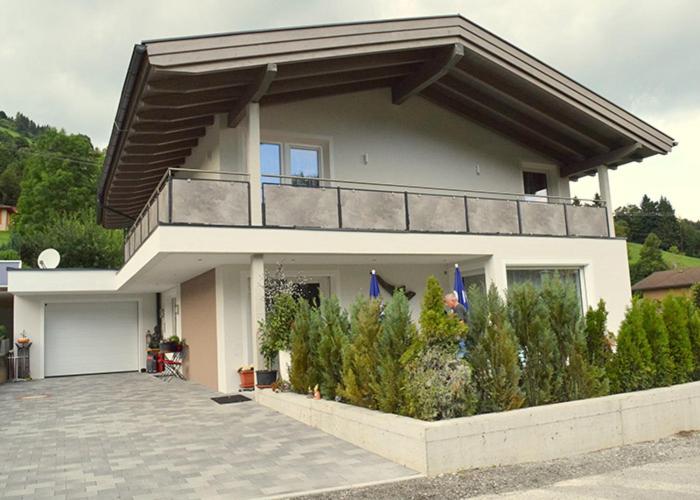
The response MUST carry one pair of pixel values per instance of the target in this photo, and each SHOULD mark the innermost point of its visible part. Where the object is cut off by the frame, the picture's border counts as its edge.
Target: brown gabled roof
(175, 87)
(675, 278)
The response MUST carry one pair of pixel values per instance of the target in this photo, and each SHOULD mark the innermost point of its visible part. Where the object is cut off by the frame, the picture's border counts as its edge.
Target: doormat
(234, 398)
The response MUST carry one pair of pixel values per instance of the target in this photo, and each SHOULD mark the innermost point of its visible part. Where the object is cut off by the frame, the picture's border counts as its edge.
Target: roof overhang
(175, 87)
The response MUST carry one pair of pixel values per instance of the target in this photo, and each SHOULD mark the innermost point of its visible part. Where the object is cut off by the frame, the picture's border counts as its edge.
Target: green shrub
(574, 377)
(435, 325)
(657, 336)
(695, 294)
(438, 385)
(397, 334)
(597, 337)
(275, 331)
(304, 372)
(632, 367)
(334, 330)
(495, 365)
(360, 357)
(528, 316)
(693, 313)
(675, 317)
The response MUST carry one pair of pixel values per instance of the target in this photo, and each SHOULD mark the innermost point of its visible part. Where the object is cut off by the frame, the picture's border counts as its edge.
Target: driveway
(134, 436)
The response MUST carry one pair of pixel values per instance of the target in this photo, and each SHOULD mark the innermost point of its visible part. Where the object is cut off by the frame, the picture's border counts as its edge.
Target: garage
(96, 337)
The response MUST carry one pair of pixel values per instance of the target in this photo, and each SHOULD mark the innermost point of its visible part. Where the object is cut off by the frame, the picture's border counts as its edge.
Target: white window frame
(286, 146)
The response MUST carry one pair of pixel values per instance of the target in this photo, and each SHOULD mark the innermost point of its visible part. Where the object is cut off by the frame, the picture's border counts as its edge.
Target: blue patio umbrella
(459, 288)
(373, 285)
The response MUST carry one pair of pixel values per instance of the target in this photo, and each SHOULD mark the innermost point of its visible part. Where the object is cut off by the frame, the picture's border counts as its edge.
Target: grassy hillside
(672, 259)
(4, 237)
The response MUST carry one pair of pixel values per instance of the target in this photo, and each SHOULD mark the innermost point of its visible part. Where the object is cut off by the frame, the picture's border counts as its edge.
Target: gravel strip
(503, 479)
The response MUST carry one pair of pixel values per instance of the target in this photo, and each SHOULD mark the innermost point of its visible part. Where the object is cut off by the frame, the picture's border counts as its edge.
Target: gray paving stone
(131, 436)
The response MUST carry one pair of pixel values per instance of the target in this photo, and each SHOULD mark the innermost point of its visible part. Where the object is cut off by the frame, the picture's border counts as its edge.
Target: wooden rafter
(253, 93)
(429, 73)
(598, 160)
(144, 138)
(159, 148)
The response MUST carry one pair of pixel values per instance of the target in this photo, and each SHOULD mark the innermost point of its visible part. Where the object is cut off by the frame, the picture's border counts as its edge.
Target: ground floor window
(537, 275)
(478, 279)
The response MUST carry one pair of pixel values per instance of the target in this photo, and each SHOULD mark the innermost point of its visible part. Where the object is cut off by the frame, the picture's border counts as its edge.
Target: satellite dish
(49, 259)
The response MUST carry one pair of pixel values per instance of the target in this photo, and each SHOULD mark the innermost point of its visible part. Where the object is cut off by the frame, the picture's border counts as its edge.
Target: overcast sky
(63, 62)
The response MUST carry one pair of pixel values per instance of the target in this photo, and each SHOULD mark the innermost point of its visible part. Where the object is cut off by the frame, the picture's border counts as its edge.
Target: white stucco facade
(363, 138)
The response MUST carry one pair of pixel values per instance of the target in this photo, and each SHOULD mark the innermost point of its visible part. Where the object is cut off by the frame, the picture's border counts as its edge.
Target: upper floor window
(287, 159)
(535, 185)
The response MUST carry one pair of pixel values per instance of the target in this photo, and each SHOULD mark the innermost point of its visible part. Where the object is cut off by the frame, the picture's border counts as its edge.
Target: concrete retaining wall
(526, 435)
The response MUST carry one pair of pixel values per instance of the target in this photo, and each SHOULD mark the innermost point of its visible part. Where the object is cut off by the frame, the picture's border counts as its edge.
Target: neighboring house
(405, 146)
(673, 282)
(6, 213)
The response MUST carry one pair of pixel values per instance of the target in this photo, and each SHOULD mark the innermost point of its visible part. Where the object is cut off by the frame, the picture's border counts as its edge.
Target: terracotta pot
(247, 379)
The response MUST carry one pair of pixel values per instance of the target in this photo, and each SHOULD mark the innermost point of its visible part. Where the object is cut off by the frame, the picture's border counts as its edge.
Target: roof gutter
(119, 125)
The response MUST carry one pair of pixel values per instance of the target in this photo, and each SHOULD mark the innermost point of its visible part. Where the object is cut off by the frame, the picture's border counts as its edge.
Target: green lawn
(672, 259)
(4, 237)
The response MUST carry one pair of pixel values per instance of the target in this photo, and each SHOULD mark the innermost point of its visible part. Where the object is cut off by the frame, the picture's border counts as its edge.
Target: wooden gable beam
(430, 72)
(602, 159)
(253, 93)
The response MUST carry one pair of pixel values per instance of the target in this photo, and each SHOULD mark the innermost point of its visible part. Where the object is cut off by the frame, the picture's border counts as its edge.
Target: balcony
(213, 198)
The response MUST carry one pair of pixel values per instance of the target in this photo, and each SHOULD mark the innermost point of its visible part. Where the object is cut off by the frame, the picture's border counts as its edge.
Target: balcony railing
(214, 198)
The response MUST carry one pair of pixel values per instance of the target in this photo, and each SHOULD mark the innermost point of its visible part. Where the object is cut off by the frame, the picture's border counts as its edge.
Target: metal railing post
(170, 197)
(405, 204)
(340, 210)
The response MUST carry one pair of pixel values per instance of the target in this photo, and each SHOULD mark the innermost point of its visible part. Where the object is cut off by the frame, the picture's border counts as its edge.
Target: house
(672, 282)
(6, 213)
(405, 146)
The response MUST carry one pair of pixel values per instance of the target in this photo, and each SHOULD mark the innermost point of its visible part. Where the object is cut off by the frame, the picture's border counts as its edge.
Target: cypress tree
(676, 319)
(304, 372)
(596, 333)
(528, 316)
(495, 365)
(333, 335)
(360, 357)
(694, 334)
(397, 334)
(657, 336)
(632, 367)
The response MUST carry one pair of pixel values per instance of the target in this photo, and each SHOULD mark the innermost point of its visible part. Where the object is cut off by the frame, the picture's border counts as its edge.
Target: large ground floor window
(537, 275)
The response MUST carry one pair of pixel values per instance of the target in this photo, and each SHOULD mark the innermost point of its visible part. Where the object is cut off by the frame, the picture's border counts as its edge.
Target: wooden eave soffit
(429, 73)
(253, 93)
(602, 159)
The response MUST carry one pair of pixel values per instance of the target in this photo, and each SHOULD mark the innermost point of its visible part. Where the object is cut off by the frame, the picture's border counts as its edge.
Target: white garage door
(90, 338)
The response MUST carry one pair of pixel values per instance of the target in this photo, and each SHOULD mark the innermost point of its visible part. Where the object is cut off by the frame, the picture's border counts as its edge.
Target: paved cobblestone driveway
(133, 436)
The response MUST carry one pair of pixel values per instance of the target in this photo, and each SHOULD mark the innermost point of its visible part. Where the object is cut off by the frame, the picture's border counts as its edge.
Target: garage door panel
(83, 338)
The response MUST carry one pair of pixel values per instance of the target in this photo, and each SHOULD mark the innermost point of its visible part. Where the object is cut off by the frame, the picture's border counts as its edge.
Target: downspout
(118, 127)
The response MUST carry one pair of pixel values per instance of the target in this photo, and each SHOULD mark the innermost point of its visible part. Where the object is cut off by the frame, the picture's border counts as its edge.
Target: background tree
(360, 374)
(397, 334)
(334, 330)
(650, 259)
(528, 316)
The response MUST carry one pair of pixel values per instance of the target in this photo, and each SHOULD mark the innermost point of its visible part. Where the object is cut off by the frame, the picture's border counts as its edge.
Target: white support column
(252, 161)
(257, 304)
(495, 272)
(604, 186)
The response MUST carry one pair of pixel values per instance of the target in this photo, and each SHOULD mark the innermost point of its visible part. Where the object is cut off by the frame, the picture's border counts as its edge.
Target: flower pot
(265, 378)
(168, 346)
(285, 359)
(247, 379)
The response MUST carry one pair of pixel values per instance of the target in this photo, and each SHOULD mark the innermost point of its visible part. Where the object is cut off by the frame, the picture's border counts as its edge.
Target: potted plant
(247, 375)
(23, 339)
(172, 344)
(275, 337)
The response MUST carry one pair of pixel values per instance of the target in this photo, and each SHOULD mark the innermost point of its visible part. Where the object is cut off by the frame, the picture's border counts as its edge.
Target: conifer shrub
(657, 336)
(693, 313)
(695, 294)
(632, 367)
(495, 363)
(439, 385)
(304, 371)
(396, 336)
(675, 316)
(528, 316)
(574, 376)
(360, 373)
(597, 336)
(334, 330)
